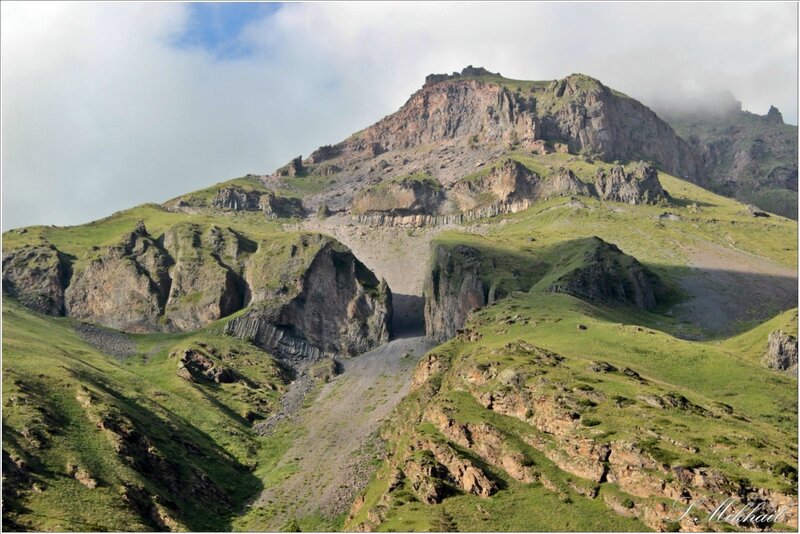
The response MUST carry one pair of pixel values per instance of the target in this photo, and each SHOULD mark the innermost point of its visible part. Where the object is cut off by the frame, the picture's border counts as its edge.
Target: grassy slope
(713, 375)
(47, 369)
(703, 372)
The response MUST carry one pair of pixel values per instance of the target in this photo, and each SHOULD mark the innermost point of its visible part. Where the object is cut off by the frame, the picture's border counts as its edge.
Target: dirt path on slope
(729, 288)
(331, 461)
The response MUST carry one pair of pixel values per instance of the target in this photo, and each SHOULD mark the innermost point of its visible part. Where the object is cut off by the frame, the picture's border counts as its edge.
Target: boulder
(781, 352)
(277, 207)
(774, 115)
(237, 199)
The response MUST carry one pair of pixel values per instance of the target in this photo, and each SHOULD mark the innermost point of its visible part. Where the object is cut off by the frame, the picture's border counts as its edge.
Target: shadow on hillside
(187, 470)
(723, 303)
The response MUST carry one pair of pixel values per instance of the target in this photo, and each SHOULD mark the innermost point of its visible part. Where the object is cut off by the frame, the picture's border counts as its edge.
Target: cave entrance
(408, 316)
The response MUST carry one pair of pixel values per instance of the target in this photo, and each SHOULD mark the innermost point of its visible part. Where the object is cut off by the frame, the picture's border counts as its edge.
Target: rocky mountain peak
(467, 72)
(774, 115)
(457, 123)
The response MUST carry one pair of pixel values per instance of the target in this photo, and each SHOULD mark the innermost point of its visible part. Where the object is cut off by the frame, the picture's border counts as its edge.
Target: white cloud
(101, 113)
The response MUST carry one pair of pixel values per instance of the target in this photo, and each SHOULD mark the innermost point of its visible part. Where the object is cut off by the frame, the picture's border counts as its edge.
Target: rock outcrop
(206, 281)
(578, 110)
(506, 187)
(336, 306)
(603, 273)
(309, 296)
(36, 275)
(453, 290)
(463, 279)
(518, 381)
(194, 365)
(458, 123)
(235, 198)
(588, 116)
(126, 287)
(278, 207)
(781, 352)
(409, 195)
(511, 183)
(638, 184)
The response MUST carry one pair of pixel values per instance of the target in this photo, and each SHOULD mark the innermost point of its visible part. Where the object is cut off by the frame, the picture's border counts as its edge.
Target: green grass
(731, 413)
(722, 382)
(302, 186)
(49, 372)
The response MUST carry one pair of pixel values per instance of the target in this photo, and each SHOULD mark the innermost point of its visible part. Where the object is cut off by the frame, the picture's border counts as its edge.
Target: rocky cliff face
(577, 110)
(336, 306)
(126, 287)
(455, 124)
(309, 295)
(36, 275)
(741, 154)
(463, 279)
(638, 184)
(445, 111)
(512, 183)
(206, 278)
(453, 290)
(589, 116)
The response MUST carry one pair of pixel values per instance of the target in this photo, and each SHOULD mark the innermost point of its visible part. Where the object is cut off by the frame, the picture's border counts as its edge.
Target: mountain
(508, 306)
(746, 156)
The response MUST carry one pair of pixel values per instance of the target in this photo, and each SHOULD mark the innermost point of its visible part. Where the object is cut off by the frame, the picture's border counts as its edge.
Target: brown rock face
(36, 276)
(781, 351)
(401, 197)
(336, 307)
(446, 111)
(452, 291)
(126, 288)
(638, 185)
(587, 115)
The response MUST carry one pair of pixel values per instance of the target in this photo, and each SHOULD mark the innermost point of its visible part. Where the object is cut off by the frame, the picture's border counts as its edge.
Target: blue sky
(107, 105)
(216, 27)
